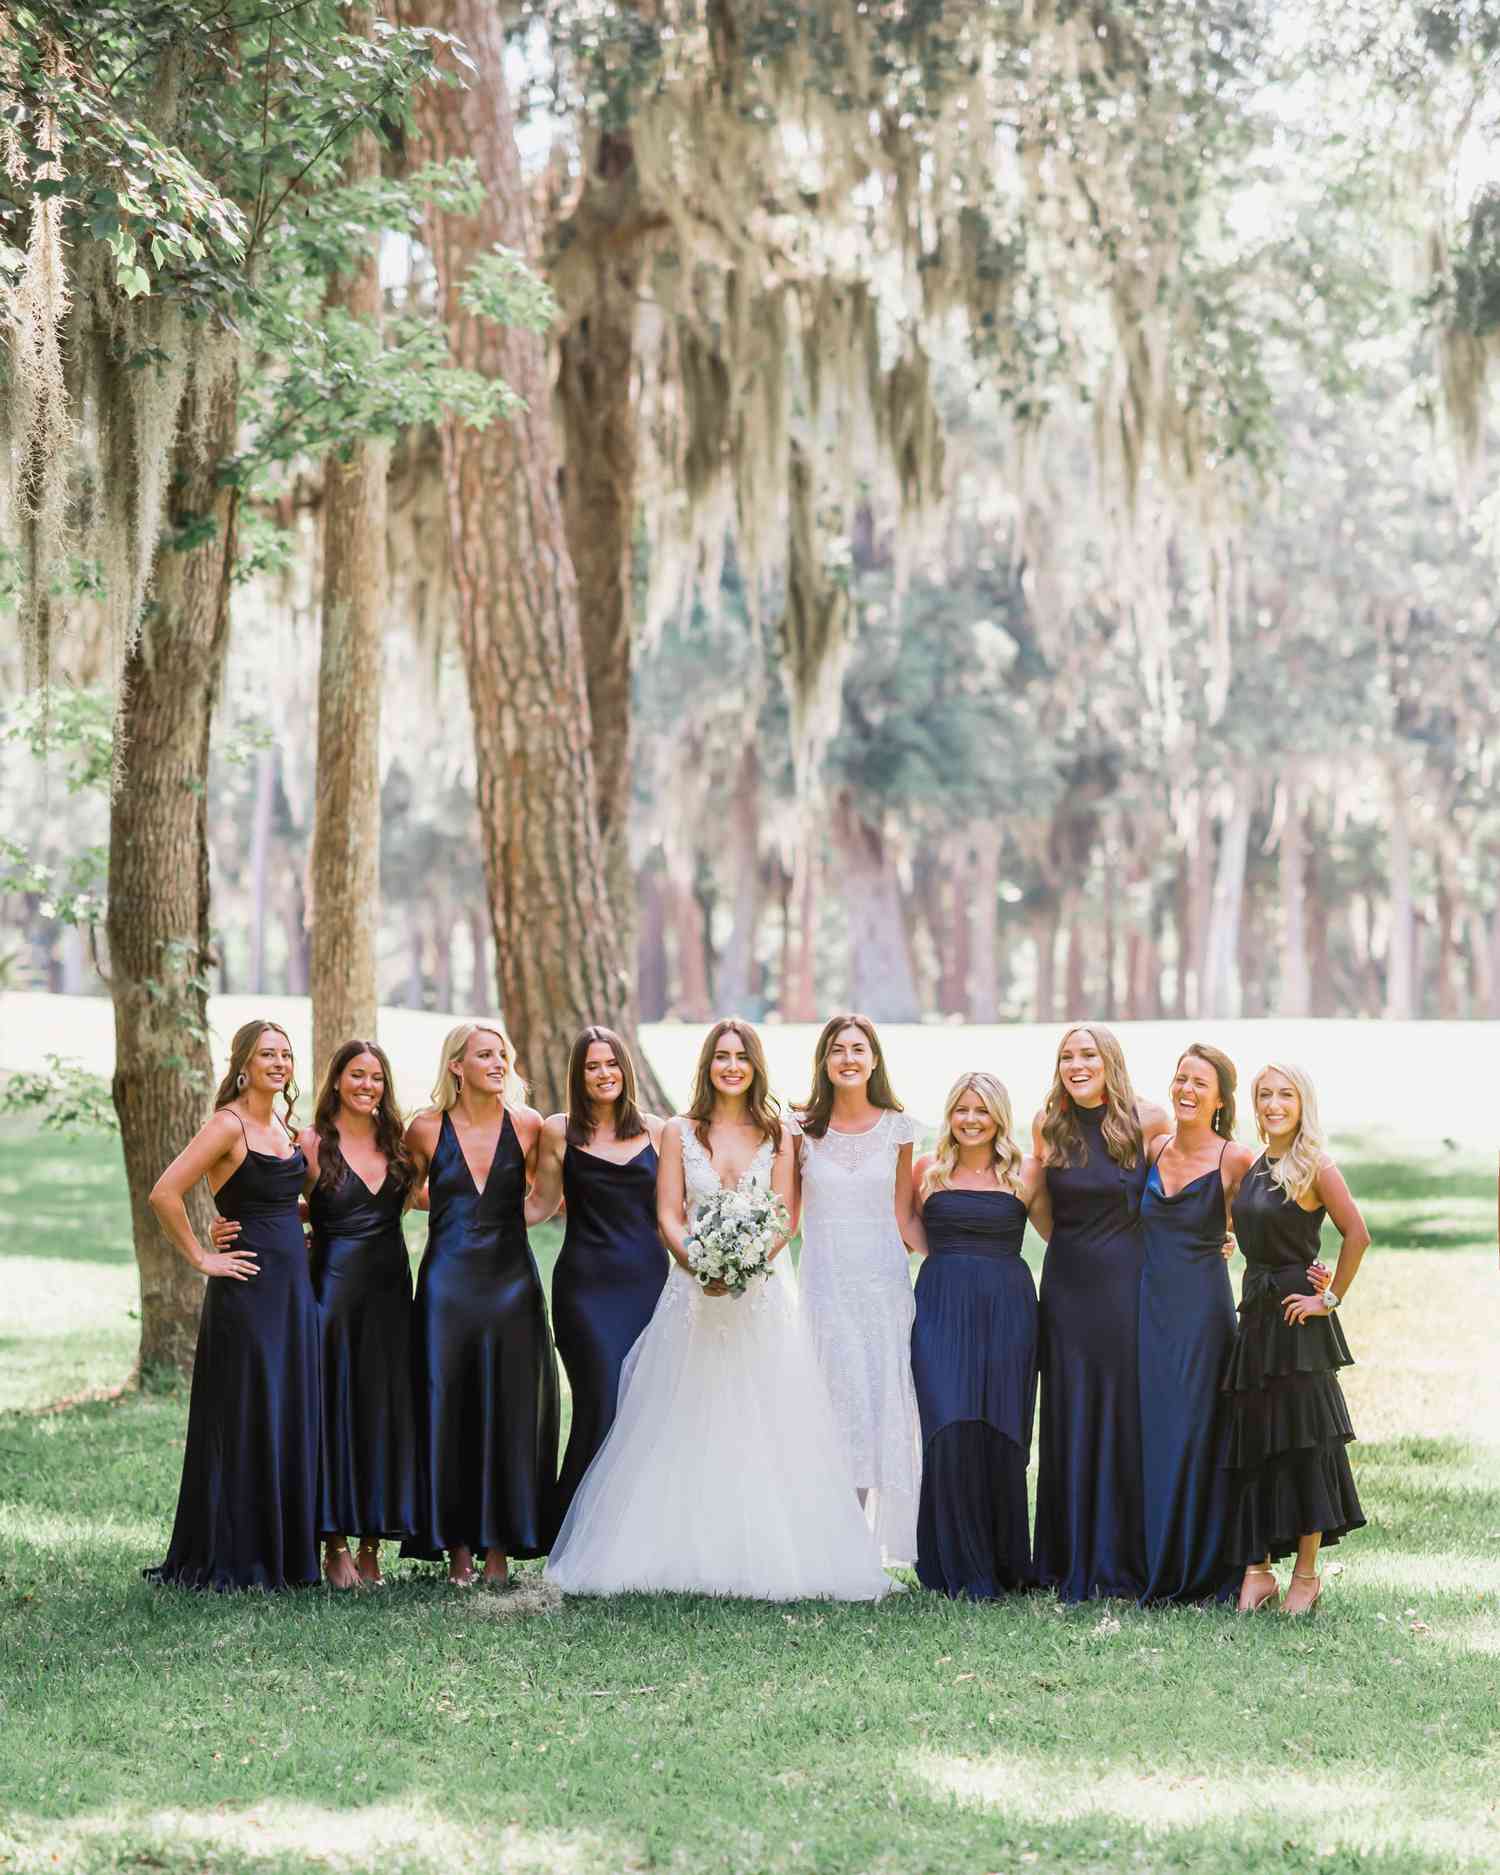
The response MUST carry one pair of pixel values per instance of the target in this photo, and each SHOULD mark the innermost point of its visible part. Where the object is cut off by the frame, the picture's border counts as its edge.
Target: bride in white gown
(724, 1473)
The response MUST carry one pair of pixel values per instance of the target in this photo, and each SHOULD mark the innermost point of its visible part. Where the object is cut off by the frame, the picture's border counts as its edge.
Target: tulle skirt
(724, 1473)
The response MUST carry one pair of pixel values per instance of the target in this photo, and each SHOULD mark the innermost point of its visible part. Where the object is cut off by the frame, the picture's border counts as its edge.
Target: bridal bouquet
(733, 1236)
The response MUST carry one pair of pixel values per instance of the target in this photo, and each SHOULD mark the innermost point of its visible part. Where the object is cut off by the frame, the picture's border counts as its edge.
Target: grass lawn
(421, 1730)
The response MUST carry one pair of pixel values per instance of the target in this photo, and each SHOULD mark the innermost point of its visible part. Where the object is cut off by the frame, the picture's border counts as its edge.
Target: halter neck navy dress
(1187, 1330)
(483, 1365)
(973, 1360)
(1090, 1539)
(1288, 1423)
(605, 1287)
(247, 1512)
(362, 1280)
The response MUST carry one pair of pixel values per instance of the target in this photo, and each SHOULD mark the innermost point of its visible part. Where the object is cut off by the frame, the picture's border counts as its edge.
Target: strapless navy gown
(973, 1359)
(1187, 1331)
(606, 1285)
(1288, 1423)
(1090, 1539)
(362, 1280)
(247, 1512)
(483, 1365)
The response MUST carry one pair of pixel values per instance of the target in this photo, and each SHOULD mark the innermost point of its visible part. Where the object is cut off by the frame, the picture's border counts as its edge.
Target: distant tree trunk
(1492, 1001)
(733, 981)
(294, 926)
(1449, 961)
(651, 945)
(560, 954)
(881, 981)
(479, 950)
(1183, 932)
(1075, 969)
(984, 924)
(260, 864)
(1199, 905)
(158, 917)
(692, 1001)
(800, 995)
(955, 883)
(1218, 997)
(345, 871)
(1295, 998)
(1045, 928)
(1322, 998)
(442, 955)
(1400, 947)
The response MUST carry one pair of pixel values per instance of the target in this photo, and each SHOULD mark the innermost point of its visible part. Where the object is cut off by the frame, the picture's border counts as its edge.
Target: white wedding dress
(856, 1290)
(723, 1473)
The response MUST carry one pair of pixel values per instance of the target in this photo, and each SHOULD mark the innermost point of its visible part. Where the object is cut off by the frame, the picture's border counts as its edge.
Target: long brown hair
(1062, 1138)
(628, 1121)
(1228, 1078)
(242, 1046)
(763, 1106)
(817, 1110)
(390, 1137)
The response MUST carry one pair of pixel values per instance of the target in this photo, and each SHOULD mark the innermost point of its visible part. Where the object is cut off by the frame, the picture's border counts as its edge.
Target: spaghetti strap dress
(973, 1357)
(483, 1365)
(1186, 1332)
(247, 1511)
(362, 1280)
(1090, 1538)
(1289, 1427)
(607, 1282)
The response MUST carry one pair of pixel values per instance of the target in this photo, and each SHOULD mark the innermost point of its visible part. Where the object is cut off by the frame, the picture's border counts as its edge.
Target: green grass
(420, 1730)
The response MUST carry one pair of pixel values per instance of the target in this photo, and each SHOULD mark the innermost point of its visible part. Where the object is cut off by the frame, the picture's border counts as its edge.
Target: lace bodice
(701, 1178)
(853, 1175)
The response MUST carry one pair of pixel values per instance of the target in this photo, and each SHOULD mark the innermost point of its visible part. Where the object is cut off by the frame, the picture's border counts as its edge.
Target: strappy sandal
(1307, 1575)
(1269, 1599)
(330, 1551)
(372, 1550)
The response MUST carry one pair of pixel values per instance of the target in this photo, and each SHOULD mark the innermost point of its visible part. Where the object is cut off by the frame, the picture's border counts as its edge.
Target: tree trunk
(1400, 946)
(984, 925)
(560, 955)
(1219, 996)
(799, 1000)
(1492, 1003)
(692, 1001)
(651, 946)
(1200, 885)
(1046, 964)
(158, 917)
(733, 983)
(1296, 970)
(479, 967)
(345, 873)
(1075, 970)
(260, 864)
(881, 982)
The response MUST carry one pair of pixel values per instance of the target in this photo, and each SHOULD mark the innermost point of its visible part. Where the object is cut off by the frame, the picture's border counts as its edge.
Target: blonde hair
(1005, 1154)
(1062, 1138)
(445, 1087)
(1296, 1171)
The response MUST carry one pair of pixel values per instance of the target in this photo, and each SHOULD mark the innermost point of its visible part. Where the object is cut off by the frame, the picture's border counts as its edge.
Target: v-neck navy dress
(362, 1279)
(1187, 1325)
(247, 1512)
(607, 1283)
(483, 1366)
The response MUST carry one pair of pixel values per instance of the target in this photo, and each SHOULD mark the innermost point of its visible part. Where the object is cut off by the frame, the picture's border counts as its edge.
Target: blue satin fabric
(1090, 1536)
(1187, 1325)
(483, 1365)
(247, 1511)
(362, 1280)
(974, 1364)
(606, 1285)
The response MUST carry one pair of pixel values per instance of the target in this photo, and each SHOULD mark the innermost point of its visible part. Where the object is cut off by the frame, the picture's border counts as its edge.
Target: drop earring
(239, 1080)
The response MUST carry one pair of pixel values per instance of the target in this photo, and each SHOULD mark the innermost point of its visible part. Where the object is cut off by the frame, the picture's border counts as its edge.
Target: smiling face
(731, 1070)
(971, 1122)
(1080, 1067)
(851, 1060)
(603, 1080)
(483, 1066)
(361, 1085)
(1195, 1092)
(1278, 1106)
(269, 1068)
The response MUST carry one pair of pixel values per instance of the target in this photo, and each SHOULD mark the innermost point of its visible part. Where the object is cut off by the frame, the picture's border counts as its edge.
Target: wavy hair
(445, 1088)
(764, 1108)
(1296, 1171)
(628, 1121)
(390, 1134)
(1228, 1078)
(242, 1045)
(1062, 1138)
(1005, 1154)
(817, 1110)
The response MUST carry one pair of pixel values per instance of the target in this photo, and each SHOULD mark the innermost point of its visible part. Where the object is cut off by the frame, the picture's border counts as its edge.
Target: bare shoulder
(422, 1129)
(655, 1125)
(1028, 1175)
(1154, 1120)
(555, 1129)
(528, 1124)
(1238, 1159)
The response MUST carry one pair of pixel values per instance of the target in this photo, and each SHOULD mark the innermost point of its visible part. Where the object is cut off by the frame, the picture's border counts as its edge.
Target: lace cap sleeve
(904, 1130)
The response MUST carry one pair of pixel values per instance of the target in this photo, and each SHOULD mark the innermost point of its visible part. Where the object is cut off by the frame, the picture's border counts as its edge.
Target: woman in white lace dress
(723, 1473)
(859, 1221)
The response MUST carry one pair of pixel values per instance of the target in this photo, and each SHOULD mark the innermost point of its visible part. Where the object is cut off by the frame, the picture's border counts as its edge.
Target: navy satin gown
(1090, 1537)
(483, 1366)
(605, 1287)
(974, 1363)
(247, 1512)
(362, 1280)
(1187, 1331)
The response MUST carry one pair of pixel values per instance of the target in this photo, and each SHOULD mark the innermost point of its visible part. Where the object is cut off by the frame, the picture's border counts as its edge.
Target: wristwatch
(1331, 1300)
